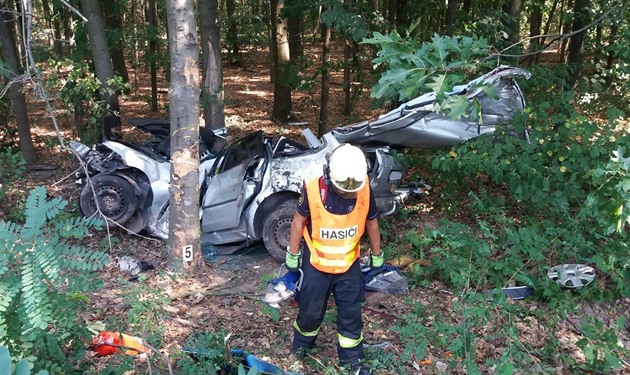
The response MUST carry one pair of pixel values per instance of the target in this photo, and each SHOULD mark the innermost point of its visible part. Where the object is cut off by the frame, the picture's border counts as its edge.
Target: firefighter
(333, 213)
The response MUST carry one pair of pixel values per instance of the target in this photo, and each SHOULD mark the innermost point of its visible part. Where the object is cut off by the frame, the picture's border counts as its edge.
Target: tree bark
(576, 45)
(513, 10)
(612, 39)
(347, 77)
(15, 20)
(282, 105)
(48, 22)
(347, 68)
(449, 19)
(184, 229)
(296, 29)
(467, 7)
(113, 24)
(402, 15)
(564, 26)
(57, 26)
(9, 55)
(103, 66)
(153, 52)
(391, 13)
(542, 41)
(535, 25)
(323, 106)
(232, 34)
(212, 93)
(68, 30)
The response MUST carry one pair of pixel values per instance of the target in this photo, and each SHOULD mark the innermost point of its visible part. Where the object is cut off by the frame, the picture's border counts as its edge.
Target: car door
(224, 196)
(222, 204)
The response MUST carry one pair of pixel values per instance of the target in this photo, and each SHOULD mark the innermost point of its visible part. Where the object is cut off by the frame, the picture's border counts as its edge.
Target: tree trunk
(402, 15)
(9, 56)
(57, 27)
(564, 26)
(535, 25)
(232, 33)
(296, 29)
(68, 30)
(612, 39)
(113, 23)
(323, 106)
(513, 10)
(347, 67)
(15, 22)
(576, 46)
(103, 66)
(282, 64)
(391, 13)
(153, 52)
(467, 7)
(184, 230)
(48, 22)
(449, 19)
(347, 77)
(598, 43)
(543, 41)
(212, 93)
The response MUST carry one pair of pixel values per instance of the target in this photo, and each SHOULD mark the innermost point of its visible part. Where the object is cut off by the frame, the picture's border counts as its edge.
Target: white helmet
(348, 168)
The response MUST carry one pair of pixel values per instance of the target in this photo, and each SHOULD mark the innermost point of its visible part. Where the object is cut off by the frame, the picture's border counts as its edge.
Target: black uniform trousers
(312, 299)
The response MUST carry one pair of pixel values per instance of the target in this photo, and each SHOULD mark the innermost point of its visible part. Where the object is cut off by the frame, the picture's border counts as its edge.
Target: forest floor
(225, 295)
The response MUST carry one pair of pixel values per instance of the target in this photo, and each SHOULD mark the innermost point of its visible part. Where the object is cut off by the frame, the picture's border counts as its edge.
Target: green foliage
(550, 172)
(612, 195)
(22, 367)
(40, 276)
(12, 168)
(488, 23)
(146, 310)
(601, 345)
(348, 22)
(474, 322)
(412, 68)
(528, 204)
(80, 91)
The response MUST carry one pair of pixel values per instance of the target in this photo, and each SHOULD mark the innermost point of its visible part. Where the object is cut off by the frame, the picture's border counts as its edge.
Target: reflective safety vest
(334, 239)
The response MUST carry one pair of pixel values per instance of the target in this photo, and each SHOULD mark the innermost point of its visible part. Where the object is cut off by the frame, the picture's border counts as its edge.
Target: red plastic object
(106, 343)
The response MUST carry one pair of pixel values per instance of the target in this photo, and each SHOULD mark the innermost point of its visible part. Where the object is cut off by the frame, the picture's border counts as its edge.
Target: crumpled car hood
(414, 124)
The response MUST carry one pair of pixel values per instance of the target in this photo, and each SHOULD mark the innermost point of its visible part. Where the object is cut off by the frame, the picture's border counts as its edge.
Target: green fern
(39, 274)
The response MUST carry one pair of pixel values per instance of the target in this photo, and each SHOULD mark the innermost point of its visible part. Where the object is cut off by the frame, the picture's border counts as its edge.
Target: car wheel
(116, 198)
(277, 228)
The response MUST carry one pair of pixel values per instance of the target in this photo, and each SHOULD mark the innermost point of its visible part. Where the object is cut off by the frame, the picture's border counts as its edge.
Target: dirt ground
(225, 295)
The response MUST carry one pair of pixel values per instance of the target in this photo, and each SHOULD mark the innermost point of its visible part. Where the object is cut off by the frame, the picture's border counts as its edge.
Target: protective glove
(292, 261)
(377, 261)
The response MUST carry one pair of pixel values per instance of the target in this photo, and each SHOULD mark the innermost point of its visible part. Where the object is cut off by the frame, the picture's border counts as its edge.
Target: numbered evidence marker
(188, 253)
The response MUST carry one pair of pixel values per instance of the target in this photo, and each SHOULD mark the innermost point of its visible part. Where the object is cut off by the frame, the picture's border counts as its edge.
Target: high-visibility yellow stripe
(307, 334)
(346, 342)
(336, 262)
(334, 249)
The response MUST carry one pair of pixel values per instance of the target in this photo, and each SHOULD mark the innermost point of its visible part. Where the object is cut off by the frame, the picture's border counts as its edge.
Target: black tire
(277, 228)
(116, 198)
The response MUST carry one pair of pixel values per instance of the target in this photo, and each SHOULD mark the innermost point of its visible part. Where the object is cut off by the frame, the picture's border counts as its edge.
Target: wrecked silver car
(249, 188)
(415, 124)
